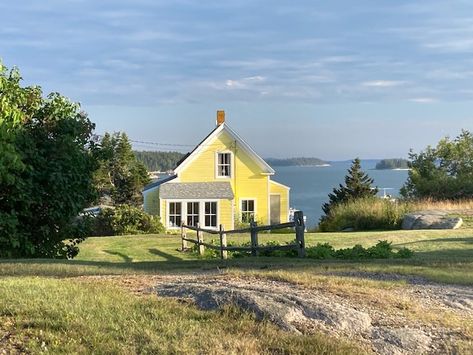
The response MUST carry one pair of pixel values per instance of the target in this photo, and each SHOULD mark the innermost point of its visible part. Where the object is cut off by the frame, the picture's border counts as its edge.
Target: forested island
(301, 161)
(159, 161)
(387, 164)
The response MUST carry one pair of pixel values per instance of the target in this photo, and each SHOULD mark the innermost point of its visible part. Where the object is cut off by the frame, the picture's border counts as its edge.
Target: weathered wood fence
(255, 248)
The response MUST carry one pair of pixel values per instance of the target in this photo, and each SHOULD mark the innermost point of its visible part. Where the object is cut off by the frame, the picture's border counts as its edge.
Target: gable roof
(242, 144)
(157, 183)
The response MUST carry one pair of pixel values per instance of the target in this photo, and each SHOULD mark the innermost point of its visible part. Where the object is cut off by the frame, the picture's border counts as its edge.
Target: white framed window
(175, 214)
(247, 210)
(210, 214)
(192, 213)
(224, 164)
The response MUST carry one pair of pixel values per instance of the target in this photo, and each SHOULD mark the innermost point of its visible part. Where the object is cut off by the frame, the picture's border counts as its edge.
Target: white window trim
(168, 214)
(232, 164)
(255, 204)
(201, 212)
(217, 215)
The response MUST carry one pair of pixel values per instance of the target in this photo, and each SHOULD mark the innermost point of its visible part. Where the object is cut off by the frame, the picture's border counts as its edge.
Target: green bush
(382, 250)
(365, 214)
(124, 219)
(320, 251)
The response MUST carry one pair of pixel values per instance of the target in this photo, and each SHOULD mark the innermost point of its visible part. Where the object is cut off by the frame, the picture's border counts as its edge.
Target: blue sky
(331, 79)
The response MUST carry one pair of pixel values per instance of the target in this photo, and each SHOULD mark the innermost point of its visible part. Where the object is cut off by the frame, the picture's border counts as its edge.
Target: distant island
(296, 162)
(391, 164)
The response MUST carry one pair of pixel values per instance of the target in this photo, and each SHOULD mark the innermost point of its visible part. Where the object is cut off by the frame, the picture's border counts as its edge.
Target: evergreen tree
(121, 176)
(357, 185)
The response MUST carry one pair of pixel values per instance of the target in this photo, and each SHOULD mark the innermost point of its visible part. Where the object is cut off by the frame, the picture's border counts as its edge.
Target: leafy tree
(443, 172)
(120, 176)
(46, 170)
(357, 185)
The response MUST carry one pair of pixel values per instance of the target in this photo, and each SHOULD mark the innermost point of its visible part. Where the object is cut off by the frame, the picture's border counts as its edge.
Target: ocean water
(311, 185)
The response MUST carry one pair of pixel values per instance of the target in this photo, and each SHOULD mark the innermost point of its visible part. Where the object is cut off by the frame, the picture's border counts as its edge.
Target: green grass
(43, 303)
(443, 256)
(69, 317)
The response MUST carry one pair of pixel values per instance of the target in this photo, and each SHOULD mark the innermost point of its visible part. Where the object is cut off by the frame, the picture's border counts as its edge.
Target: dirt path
(303, 310)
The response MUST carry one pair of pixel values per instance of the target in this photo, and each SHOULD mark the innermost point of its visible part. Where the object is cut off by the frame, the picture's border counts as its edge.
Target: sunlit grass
(70, 316)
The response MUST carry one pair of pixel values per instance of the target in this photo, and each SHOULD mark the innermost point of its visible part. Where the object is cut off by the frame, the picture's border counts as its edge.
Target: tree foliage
(357, 185)
(46, 170)
(159, 161)
(120, 176)
(443, 172)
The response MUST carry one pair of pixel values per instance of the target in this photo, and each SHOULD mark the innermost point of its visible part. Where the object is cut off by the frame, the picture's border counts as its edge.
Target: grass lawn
(57, 306)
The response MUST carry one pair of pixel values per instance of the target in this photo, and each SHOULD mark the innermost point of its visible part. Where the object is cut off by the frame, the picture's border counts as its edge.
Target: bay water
(310, 185)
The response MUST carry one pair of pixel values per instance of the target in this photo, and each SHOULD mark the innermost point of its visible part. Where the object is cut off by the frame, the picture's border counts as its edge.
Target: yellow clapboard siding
(247, 181)
(283, 191)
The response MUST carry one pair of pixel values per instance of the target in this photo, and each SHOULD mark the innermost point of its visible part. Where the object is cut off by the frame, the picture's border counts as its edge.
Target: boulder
(430, 220)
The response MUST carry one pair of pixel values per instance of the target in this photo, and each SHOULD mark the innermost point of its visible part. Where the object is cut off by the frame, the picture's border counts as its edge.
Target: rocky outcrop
(298, 310)
(430, 220)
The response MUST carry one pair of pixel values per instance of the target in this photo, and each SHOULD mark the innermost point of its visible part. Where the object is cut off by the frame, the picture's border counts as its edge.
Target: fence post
(200, 239)
(183, 235)
(254, 239)
(223, 243)
(299, 224)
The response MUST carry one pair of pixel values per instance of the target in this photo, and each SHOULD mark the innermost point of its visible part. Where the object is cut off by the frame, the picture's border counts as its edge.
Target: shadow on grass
(445, 260)
(467, 240)
(164, 255)
(125, 257)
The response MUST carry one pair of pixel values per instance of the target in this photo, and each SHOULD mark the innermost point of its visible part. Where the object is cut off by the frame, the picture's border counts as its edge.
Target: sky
(327, 79)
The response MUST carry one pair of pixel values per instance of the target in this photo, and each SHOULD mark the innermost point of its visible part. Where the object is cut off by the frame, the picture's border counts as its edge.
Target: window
(247, 210)
(210, 214)
(174, 214)
(192, 213)
(224, 162)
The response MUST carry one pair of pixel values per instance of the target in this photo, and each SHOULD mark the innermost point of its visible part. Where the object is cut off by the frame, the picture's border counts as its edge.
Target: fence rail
(255, 248)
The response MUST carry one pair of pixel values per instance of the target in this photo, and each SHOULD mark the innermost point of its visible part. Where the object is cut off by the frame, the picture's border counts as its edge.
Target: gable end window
(224, 164)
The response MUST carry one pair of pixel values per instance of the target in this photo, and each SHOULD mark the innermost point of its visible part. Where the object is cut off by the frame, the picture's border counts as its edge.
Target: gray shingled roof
(196, 190)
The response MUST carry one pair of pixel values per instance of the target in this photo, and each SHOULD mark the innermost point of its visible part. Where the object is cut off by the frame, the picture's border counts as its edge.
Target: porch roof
(197, 190)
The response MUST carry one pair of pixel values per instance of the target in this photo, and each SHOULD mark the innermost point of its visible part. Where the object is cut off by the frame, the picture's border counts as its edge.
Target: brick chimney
(220, 117)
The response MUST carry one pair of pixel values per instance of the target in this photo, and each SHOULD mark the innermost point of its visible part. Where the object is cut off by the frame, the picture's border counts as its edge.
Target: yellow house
(222, 181)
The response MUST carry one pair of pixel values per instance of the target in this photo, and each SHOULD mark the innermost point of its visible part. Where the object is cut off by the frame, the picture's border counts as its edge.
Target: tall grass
(380, 214)
(447, 205)
(365, 214)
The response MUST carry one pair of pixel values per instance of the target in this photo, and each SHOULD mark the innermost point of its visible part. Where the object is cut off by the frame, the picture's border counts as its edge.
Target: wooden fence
(255, 248)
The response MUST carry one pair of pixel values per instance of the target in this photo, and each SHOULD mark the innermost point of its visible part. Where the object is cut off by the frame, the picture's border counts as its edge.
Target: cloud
(423, 100)
(383, 83)
(244, 83)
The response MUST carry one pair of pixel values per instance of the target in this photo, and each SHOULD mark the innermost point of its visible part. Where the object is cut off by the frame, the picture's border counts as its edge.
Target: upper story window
(224, 164)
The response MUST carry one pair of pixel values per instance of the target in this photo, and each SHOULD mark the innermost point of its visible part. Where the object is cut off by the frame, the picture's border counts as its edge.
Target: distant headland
(301, 161)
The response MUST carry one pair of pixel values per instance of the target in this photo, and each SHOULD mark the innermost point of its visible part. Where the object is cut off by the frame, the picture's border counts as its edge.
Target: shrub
(382, 250)
(124, 219)
(365, 214)
(320, 251)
